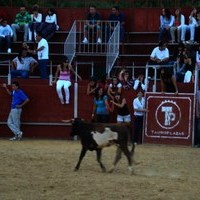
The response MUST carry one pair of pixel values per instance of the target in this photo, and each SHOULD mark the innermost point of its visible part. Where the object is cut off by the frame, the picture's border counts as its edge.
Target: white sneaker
(85, 41)
(19, 136)
(62, 101)
(9, 50)
(13, 138)
(67, 102)
(99, 41)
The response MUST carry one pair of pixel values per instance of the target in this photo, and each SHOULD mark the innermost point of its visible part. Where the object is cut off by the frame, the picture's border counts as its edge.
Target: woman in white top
(179, 21)
(191, 27)
(50, 26)
(166, 22)
(63, 79)
(36, 19)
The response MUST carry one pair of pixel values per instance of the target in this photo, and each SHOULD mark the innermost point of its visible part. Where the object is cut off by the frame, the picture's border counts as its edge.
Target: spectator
(43, 55)
(22, 20)
(179, 21)
(92, 24)
(123, 114)
(36, 19)
(139, 111)
(19, 99)
(140, 83)
(113, 87)
(101, 107)
(116, 15)
(168, 81)
(6, 35)
(103, 83)
(50, 26)
(159, 56)
(166, 22)
(63, 79)
(23, 65)
(126, 79)
(191, 26)
(182, 60)
(92, 86)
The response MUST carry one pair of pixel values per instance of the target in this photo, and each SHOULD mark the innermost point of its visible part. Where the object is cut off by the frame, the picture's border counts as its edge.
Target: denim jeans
(43, 68)
(21, 73)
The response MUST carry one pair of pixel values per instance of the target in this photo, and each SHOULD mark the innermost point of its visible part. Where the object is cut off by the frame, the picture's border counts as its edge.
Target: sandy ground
(43, 170)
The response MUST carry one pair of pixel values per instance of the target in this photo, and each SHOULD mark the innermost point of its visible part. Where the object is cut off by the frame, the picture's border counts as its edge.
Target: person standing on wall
(19, 99)
(139, 112)
(43, 55)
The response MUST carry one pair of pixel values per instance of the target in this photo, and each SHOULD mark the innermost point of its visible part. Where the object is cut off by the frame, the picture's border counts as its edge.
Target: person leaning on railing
(159, 55)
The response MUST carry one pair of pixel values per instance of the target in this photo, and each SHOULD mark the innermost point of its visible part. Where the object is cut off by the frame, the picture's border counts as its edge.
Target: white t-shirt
(157, 53)
(37, 19)
(187, 77)
(137, 104)
(24, 64)
(43, 54)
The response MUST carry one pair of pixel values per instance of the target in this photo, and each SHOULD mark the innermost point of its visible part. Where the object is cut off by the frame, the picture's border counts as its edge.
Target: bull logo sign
(168, 114)
(169, 117)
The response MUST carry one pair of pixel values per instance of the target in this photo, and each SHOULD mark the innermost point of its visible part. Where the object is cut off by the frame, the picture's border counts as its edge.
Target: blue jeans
(21, 73)
(7, 40)
(43, 68)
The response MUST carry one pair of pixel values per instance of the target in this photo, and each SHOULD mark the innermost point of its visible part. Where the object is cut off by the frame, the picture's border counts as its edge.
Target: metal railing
(8, 66)
(112, 48)
(98, 41)
(70, 43)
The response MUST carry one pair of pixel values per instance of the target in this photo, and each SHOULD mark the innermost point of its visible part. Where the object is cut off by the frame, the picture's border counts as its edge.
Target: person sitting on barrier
(117, 16)
(63, 79)
(92, 24)
(113, 87)
(159, 56)
(6, 35)
(23, 65)
(92, 86)
(168, 81)
(126, 79)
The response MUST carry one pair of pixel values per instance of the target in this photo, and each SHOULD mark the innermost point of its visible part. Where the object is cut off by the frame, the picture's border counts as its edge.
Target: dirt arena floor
(43, 170)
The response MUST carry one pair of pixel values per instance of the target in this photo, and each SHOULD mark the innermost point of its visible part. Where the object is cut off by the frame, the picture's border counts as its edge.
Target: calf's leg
(98, 151)
(127, 153)
(82, 154)
(117, 158)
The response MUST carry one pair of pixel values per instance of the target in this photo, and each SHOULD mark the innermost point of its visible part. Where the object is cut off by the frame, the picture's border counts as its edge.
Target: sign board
(170, 119)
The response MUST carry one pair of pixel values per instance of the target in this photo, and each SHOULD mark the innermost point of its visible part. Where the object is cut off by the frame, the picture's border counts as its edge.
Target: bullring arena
(41, 166)
(43, 169)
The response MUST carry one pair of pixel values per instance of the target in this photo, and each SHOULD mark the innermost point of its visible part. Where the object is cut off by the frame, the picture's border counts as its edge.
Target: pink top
(65, 75)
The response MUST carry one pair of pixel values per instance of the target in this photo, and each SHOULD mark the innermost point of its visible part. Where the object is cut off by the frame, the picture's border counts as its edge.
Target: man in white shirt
(6, 35)
(159, 56)
(139, 111)
(43, 55)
